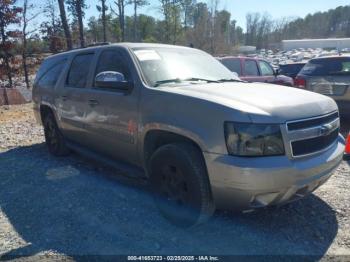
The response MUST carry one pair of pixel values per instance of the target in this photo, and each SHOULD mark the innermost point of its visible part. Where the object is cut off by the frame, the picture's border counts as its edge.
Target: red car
(255, 70)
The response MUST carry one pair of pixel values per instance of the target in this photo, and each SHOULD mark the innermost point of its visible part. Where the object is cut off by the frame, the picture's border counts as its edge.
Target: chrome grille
(313, 135)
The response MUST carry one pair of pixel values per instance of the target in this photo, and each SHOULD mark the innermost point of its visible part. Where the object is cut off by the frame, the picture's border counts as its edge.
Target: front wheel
(180, 184)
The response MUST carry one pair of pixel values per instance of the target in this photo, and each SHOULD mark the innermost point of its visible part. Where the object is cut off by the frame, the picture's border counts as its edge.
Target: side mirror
(112, 80)
(277, 72)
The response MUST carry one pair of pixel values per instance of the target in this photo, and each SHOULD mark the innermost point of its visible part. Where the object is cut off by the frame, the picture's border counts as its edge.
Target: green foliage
(74, 7)
(9, 16)
(183, 22)
(333, 23)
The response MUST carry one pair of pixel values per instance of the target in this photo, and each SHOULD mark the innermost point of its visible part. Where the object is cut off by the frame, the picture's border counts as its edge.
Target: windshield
(329, 66)
(177, 65)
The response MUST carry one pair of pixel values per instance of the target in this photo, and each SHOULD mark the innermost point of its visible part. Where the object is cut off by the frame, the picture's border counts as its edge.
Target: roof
(126, 45)
(240, 57)
(332, 56)
(294, 63)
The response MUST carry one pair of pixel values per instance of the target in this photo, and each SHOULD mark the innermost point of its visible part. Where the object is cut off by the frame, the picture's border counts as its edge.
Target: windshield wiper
(229, 80)
(201, 79)
(167, 81)
(178, 80)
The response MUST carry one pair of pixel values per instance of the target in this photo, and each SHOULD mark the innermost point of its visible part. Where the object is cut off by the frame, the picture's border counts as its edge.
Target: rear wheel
(53, 137)
(180, 183)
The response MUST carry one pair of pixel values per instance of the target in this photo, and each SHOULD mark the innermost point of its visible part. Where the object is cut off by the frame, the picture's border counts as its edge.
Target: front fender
(172, 129)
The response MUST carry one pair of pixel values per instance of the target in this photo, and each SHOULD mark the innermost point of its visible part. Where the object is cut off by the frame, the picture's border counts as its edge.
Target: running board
(127, 170)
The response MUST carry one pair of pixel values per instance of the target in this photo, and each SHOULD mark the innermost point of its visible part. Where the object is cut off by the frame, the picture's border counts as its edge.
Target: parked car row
(296, 55)
(255, 70)
(328, 75)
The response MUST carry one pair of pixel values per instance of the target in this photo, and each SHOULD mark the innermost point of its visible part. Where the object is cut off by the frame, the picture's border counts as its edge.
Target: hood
(265, 103)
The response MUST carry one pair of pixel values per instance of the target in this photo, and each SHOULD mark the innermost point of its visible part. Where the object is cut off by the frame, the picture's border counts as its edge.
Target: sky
(239, 8)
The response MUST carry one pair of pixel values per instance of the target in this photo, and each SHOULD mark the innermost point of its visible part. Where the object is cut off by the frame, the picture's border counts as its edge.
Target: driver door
(112, 113)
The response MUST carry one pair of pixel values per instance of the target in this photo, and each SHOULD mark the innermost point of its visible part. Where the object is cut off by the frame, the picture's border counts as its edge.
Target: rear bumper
(246, 183)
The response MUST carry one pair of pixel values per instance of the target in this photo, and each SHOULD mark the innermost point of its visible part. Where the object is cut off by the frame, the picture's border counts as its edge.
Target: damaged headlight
(246, 139)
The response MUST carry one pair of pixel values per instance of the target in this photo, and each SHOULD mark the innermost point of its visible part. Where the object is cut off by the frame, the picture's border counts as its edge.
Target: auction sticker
(147, 55)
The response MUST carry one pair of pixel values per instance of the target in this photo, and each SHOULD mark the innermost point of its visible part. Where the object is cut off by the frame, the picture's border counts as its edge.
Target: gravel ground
(62, 208)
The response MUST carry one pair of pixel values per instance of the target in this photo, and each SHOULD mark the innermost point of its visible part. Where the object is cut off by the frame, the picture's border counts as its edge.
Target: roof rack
(98, 44)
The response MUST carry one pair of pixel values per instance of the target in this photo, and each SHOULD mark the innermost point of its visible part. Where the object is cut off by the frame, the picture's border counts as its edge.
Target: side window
(79, 70)
(111, 60)
(250, 68)
(234, 65)
(266, 69)
(50, 77)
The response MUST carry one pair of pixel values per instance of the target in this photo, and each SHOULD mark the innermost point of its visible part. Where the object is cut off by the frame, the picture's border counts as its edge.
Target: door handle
(93, 102)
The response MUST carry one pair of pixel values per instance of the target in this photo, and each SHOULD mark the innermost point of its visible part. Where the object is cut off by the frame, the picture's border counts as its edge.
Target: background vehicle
(203, 138)
(291, 69)
(255, 70)
(347, 148)
(328, 76)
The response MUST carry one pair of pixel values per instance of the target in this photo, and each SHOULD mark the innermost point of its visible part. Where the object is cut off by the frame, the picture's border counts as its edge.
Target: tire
(53, 137)
(180, 184)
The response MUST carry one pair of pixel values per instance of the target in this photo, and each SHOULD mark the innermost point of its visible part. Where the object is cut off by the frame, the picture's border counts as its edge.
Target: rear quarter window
(49, 72)
(49, 79)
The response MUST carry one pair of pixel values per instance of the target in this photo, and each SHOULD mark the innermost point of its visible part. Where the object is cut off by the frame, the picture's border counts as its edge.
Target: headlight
(245, 139)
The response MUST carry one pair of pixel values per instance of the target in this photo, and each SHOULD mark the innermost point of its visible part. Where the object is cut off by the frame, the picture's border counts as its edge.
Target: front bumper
(246, 183)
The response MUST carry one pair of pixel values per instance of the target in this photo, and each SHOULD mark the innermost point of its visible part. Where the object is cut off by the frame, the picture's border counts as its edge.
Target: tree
(103, 8)
(52, 30)
(27, 17)
(121, 4)
(214, 4)
(147, 26)
(93, 29)
(201, 21)
(187, 7)
(64, 22)
(136, 4)
(171, 10)
(76, 7)
(9, 16)
(53, 36)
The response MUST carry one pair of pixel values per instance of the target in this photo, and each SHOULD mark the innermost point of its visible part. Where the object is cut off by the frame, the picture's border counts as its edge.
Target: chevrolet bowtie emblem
(326, 129)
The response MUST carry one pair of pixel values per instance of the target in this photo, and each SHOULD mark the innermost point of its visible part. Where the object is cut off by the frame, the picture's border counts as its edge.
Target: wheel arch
(157, 135)
(45, 109)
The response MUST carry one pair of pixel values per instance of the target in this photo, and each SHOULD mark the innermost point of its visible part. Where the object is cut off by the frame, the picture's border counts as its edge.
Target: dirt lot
(66, 207)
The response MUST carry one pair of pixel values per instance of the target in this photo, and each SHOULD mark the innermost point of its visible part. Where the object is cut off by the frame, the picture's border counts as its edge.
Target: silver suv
(328, 76)
(202, 137)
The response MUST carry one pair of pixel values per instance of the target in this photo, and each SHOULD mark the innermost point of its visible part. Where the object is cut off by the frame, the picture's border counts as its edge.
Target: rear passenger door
(72, 100)
(112, 114)
(251, 71)
(46, 80)
(233, 64)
